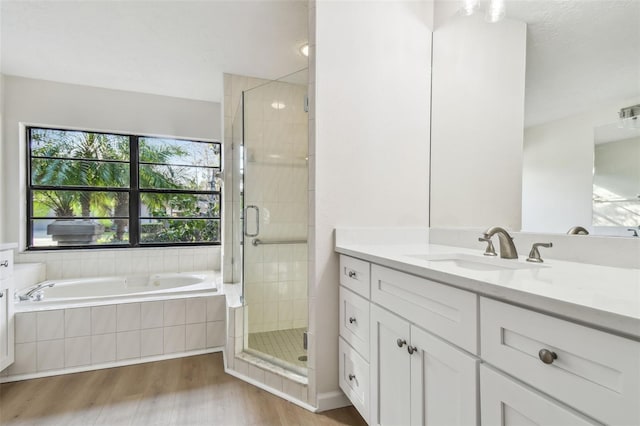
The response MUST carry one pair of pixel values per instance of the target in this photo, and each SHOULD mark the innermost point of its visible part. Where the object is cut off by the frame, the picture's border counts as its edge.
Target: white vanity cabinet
(6, 309)
(417, 378)
(353, 345)
(440, 355)
(594, 372)
(394, 371)
(508, 403)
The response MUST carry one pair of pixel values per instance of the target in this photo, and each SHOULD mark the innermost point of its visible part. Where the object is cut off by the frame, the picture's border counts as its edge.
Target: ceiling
(579, 52)
(174, 48)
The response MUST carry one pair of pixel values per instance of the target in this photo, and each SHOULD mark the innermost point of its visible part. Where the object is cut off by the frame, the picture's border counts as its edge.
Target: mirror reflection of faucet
(577, 230)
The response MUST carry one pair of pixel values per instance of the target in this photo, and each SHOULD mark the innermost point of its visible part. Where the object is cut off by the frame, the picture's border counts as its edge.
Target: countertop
(603, 297)
(8, 246)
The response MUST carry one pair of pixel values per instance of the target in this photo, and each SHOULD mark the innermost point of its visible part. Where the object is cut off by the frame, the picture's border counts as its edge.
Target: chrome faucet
(507, 248)
(36, 292)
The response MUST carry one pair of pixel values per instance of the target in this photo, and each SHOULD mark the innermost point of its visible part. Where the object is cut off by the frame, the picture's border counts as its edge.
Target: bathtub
(91, 323)
(104, 290)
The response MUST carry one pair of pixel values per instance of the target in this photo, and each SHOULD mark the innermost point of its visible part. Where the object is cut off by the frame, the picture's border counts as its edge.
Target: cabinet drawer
(354, 274)
(354, 378)
(443, 310)
(596, 373)
(354, 321)
(6, 264)
(505, 402)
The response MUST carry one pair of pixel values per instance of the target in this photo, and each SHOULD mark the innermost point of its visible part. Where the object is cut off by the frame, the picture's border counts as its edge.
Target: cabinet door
(443, 382)
(390, 369)
(505, 402)
(6, 324)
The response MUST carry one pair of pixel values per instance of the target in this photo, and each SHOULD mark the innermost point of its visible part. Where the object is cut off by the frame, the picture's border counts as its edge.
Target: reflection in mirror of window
(616, 176)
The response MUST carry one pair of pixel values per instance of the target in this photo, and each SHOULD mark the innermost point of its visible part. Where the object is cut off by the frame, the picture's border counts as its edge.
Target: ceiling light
(278, 105)
(304, 49)
(470, 7)
(496, 11)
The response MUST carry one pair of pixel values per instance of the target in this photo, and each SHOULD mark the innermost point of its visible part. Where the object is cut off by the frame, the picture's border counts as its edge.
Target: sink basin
(476, 263)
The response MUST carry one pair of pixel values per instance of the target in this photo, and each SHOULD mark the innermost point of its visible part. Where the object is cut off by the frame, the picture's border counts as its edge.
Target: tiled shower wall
(234, 85)
(276, 181)
(276, 176)
(101, 263)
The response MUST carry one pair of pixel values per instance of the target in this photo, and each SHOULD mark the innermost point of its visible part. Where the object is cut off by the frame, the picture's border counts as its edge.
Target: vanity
(433, 334)
(6, 305)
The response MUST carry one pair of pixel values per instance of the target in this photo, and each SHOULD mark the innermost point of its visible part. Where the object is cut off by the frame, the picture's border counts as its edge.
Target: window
(90, 189)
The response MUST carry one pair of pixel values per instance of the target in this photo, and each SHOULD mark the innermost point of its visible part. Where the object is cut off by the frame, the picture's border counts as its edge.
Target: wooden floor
(184, 391)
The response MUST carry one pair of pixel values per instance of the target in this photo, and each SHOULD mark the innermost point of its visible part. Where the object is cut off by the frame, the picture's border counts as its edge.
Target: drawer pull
(1, 294)
(352, 320)
(5, 263)
(547, 356)
(351, 377)
(411, 349)
(352, 274)
(401, 342)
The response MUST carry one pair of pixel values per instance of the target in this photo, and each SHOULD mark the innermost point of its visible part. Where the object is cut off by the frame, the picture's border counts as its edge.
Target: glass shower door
(275, 212)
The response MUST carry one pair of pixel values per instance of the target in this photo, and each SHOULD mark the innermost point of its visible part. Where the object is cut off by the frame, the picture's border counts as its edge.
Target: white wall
(369, 154)
(2, 219)
(41, 102)
(477, 122)
(557, 179)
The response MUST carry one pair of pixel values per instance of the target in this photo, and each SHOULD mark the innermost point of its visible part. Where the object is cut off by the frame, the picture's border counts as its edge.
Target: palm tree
(69, 167)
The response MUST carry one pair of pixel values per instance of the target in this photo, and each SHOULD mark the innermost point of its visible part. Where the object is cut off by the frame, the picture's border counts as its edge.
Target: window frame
(133, 190)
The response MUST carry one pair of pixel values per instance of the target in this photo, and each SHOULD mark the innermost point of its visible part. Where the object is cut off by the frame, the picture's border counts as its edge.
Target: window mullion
(134, 193)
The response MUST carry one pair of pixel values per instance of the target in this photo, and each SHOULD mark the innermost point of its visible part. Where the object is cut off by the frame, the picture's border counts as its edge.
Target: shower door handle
(246, 215)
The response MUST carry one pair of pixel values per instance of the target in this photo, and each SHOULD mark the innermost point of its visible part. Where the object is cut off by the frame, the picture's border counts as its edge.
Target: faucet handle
(490, 251)
(634, 230)
(534, 254)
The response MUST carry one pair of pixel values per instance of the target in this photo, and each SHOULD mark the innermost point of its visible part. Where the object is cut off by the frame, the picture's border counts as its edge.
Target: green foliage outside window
(64, 163)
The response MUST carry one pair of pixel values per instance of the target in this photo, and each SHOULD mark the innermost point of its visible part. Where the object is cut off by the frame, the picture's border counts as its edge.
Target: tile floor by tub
(283, 344)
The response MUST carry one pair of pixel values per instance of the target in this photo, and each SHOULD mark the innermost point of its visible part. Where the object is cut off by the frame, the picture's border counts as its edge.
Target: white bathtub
(92, 291)
(90, 323)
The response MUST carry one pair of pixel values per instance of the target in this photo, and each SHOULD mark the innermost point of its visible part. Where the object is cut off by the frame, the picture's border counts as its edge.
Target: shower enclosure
(273, 214)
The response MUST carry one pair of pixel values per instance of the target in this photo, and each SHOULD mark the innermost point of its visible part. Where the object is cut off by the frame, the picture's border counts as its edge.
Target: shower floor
(282, 344)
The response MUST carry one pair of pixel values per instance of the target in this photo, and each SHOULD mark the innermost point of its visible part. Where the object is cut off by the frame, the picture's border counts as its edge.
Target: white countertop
(8, 246)
(600, 296)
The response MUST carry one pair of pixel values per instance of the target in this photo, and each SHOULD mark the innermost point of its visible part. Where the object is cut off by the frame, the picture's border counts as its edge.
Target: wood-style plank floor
(184, 391)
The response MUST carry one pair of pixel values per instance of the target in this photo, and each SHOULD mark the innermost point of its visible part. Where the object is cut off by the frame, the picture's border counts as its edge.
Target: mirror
(583, 68)
(616, 177)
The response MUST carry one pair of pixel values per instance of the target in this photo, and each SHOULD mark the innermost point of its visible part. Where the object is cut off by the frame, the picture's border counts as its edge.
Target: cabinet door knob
(547, 356)
(401, 342)
(352, 320)
(352, 274)
(1, 294)
(411, 349)
(351, 377)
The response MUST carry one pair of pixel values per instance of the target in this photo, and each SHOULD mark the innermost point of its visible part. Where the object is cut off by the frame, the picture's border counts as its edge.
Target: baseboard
(131, 361)
(332, 400)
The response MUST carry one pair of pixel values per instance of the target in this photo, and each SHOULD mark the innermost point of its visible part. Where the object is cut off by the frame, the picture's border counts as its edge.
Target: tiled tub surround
(60, 341)
(141, 261)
